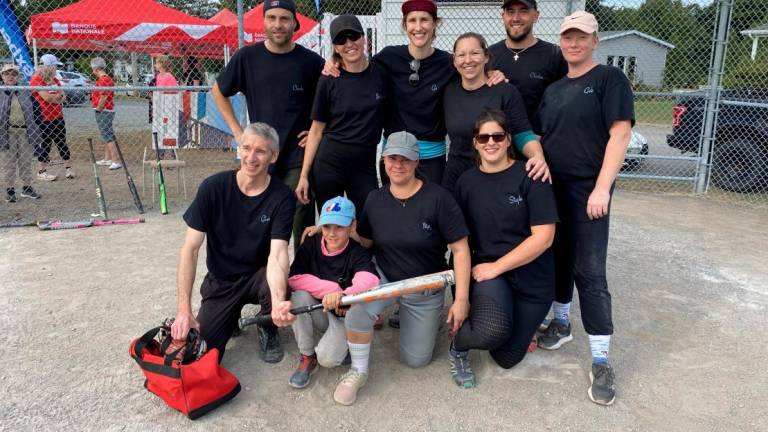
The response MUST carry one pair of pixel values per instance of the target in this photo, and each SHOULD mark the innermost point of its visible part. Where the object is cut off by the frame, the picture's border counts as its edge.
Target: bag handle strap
(138, 349)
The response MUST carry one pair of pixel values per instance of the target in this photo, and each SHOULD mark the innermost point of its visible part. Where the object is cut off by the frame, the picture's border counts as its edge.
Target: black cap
(345, 22)
(530, 3)
(282, 4)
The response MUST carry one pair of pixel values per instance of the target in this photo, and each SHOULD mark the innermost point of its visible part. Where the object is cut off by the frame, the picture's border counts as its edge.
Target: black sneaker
(28, 192)
(601, 390)
(394, 319)
(10, 196)
(271, 350)
(303, 373)
(555, 336)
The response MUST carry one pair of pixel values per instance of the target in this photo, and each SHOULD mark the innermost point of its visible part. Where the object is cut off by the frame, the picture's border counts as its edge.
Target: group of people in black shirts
(506, 156)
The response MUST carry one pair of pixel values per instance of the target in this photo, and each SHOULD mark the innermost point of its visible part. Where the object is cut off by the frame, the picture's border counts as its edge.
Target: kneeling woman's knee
(359, 319)
(507, 358)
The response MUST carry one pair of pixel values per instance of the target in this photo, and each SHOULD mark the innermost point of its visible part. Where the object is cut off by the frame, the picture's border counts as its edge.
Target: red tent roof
(224, 17)
(253, 21)
(120, 25)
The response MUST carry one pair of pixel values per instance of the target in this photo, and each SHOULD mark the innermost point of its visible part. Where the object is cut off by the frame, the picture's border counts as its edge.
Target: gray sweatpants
(17, 157)
(420, 316)
(331, 349)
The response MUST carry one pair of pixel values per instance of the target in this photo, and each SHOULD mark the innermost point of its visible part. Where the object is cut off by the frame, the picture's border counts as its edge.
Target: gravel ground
(689, 285)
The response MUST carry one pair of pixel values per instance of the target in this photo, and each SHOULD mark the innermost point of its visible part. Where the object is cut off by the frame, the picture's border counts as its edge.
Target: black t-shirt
(411, 240)
(279, 90)
(417, 109)
(535, 69)
(352, 106)
(462, 107)
(339, 268)
(500, 209)
(575, 119)
(238, 227)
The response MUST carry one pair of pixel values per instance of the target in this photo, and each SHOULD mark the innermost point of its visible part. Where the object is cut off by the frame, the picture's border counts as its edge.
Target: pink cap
(579, 20)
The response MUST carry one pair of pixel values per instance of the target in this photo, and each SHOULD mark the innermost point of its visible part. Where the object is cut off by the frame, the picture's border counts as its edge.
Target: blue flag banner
(9, 28)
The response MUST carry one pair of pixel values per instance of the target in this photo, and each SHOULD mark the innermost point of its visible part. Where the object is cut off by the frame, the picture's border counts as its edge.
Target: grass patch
(654, 110)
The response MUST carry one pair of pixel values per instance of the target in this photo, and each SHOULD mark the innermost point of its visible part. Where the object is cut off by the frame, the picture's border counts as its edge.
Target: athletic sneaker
(601, 390)
(394, 319)
(461, 371)
(271, 350)
(555, 336)
(307, 366)
(28, 192)
(115, 166)
(104, 162)
(10, 196)
(349, 384)
(69, 173)
(44, 176)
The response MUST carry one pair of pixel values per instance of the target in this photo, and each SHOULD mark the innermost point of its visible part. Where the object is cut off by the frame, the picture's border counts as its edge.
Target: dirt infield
(690, 293)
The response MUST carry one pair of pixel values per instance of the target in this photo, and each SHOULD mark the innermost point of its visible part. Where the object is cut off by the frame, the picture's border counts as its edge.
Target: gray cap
(403, 144)
(345, 22)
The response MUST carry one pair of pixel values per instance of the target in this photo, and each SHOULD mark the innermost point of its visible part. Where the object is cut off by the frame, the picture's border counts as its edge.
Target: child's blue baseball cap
(337, 211)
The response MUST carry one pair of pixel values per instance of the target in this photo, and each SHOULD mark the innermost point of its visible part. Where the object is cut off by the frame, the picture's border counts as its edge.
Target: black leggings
(52, 132)
(332, 176)
(501, 320)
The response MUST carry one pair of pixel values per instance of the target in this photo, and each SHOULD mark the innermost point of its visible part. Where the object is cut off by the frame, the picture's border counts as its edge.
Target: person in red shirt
(103, 103)
(52, 127)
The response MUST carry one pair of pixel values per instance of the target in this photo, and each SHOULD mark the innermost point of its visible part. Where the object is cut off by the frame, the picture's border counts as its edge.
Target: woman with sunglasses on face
(465, 99)
(411, 223)
(340, 154)
(585, 120)
(511, 220)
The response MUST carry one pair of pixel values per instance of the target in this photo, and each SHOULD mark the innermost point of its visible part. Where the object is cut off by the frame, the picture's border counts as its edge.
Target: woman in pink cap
(585, 120)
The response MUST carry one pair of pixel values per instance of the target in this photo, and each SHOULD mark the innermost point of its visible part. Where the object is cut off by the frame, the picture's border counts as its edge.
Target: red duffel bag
(194, 386)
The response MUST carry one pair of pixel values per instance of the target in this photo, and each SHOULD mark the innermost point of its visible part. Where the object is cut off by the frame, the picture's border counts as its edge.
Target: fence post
(720, 43)
(240, 24)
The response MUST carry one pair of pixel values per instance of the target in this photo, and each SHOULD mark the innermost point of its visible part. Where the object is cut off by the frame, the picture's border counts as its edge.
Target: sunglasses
(11, 73)
(413, 78)
(496, 136)
(344, 37)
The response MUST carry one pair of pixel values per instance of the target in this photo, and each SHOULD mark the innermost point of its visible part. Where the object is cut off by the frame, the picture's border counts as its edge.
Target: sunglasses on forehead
(342, 38)
(497, 137)
(413, 78)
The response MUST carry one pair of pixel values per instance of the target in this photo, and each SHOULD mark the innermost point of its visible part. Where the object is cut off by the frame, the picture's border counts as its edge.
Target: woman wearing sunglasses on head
(340, 154)
(465, 99)
(418, 74)
(511, 220)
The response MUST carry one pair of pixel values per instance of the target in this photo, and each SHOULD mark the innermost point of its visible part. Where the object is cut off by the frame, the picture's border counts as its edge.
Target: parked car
(739, 155)
(74, 97)
(638, 145)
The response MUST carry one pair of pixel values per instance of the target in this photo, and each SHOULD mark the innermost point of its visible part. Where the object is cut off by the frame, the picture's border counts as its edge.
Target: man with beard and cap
(529, 63)
(278, 79)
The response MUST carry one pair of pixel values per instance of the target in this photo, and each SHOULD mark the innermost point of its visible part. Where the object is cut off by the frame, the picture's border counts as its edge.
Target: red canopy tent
(120, 25)
(253, 23)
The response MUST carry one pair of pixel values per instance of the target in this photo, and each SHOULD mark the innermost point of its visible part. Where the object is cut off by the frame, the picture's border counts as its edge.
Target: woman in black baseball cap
(347, 118)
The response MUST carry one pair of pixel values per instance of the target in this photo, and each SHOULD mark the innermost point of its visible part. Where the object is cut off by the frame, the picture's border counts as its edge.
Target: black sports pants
(581, 251)
(502, 320)
(344, 169)
(222, 302)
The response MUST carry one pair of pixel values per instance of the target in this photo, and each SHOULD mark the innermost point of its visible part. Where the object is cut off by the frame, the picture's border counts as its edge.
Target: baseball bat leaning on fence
(418, 284)
(161, 179)
(131, 185)
(85, 223)
(99, 190)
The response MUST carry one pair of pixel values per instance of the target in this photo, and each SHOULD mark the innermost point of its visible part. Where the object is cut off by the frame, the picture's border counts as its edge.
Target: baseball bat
(17, 224)
(129, 179)
(161, 179)
(57, 224)
(99, 190)
(418, 284)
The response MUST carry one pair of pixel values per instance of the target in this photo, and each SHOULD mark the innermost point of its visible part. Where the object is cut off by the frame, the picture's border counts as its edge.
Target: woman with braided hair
(511, 220)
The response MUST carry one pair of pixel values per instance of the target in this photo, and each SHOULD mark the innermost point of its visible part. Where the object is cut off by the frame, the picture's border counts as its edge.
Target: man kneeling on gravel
(247, 218)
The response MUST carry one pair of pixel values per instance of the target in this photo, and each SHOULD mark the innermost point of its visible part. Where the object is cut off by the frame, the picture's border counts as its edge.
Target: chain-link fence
(698, 69)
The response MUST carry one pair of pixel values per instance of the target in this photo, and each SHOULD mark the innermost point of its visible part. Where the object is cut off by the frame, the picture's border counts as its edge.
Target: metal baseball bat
(99, 190)
(418, 284)
(57, 224)
(161, 179)
(129, 179)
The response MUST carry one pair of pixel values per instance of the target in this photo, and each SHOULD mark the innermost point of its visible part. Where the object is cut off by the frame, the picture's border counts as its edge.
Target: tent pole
(240, 24)
(34, 50)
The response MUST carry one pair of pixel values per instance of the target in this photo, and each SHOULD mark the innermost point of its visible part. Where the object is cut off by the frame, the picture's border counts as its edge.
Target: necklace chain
(517, 53)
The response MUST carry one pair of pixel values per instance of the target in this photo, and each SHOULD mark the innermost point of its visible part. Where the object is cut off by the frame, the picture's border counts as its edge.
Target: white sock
(599, 345)
(561, 311)
(360, 353)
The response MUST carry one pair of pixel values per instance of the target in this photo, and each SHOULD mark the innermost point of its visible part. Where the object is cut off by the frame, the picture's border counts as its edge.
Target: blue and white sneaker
(461, 370)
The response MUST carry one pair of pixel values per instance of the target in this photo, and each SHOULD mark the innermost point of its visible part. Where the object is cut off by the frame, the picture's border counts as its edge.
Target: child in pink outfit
(326, 268)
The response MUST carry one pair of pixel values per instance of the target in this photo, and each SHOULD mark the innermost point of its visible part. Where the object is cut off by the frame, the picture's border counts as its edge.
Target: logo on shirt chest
(513, 199)
(434, 88)
(426, 227)
(379, 96)
(297, 88)
(264, 218)
(536, 76)
(588, 90)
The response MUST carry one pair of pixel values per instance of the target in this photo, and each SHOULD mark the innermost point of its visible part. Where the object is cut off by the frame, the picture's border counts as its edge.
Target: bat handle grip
(261, 320)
